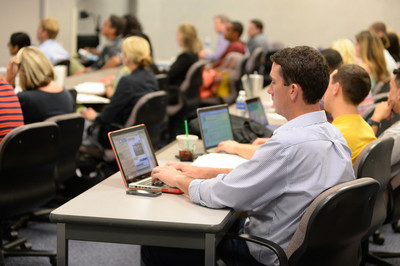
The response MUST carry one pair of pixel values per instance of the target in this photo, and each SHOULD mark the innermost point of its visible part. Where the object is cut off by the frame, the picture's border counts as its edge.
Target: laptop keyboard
(149, 183)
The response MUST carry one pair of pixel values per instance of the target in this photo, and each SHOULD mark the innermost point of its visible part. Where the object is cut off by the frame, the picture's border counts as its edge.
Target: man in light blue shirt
(304, 157)
(46, 33)
(220, 23)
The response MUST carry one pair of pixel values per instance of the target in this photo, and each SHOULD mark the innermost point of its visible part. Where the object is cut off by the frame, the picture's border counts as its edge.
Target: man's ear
(294, 92)
(336, 88)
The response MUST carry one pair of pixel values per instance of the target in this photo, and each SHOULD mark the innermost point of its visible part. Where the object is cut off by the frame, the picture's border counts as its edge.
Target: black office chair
(71, 130)
(28, 155)
(188, 98)
(253, 63)
(150, 110)
(374, 162)
(331, 229)
(381, 87)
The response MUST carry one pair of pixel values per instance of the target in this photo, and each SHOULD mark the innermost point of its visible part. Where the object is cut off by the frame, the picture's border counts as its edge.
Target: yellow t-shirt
(356, 131)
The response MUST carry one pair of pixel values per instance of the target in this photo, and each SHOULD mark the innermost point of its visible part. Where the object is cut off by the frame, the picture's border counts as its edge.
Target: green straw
(187, 134)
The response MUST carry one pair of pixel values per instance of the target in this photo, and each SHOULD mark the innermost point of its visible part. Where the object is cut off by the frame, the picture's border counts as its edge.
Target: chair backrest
(151, 110)
(28, 156)
(381, 87)
(374, 161)
(385, 123)
(254, 60)
(332, 227)
(162, 80)
(71, 128)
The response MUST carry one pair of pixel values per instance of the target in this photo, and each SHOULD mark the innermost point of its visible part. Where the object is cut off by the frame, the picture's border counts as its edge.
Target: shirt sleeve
(221, 47)
(245, 187)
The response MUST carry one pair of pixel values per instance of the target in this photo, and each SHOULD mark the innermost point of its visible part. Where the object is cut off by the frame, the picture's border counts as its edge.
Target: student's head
(300, 66)
(233, 31)
(370, 49)
(394, 93)
(354, 82)
(380, 29)
(48, 29)
(255, 27)
(136, 50)
(346, 49)
(333, 58)
(17, 41)
(34, 69)
(132, 24)
(220, 22)
(113, 27)
(186, 36)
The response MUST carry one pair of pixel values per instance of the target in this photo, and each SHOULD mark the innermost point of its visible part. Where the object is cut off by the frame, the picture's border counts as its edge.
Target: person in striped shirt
(10, 109)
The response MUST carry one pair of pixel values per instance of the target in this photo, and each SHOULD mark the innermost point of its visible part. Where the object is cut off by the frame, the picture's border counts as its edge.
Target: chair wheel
(53, 261)
(396, 227)
(378, 239)
(26, 245)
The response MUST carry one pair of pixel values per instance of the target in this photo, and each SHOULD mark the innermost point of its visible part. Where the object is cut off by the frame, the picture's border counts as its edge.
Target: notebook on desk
(215, 125)
(136, 159)
(257, 113)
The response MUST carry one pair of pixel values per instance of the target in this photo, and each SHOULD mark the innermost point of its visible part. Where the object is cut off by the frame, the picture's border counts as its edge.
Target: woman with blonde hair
(140, 81)
(370, 55)
(41, 97)
(346, 49)
(186, 37)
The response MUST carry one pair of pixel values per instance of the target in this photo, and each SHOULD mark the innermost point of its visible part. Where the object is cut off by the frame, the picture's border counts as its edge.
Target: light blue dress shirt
(222, 45)
(304, 157)
(53, 51)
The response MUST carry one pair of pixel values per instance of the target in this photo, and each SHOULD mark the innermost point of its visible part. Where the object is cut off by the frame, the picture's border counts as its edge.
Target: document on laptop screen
(216, 127)
(135, 155)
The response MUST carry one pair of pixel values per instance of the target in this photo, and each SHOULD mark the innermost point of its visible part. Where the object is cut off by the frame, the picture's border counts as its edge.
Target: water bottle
(241, 104)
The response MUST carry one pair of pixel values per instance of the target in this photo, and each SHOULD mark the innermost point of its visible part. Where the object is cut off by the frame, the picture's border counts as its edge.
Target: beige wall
(311, 22)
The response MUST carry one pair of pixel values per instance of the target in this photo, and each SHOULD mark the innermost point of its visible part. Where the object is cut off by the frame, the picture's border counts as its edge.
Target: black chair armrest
(279, 252)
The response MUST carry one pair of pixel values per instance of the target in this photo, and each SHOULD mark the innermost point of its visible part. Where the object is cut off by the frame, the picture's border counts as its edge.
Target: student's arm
(198, 172)
(114, 61)
(244, 150)
(382, 111)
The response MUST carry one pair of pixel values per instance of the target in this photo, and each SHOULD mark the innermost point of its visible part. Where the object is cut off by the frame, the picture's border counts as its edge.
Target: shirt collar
(304, 120)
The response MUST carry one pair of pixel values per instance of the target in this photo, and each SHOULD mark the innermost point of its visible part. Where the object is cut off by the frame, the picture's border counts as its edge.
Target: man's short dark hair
(118, 24)
(333, 58)
(306, 67)
(355, 82)
(21, 39)
(259, 25)
(396, 73)
(237, 27)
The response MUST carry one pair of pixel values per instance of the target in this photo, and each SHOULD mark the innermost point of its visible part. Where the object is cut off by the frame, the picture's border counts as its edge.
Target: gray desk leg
(209, 251)
(62, 246)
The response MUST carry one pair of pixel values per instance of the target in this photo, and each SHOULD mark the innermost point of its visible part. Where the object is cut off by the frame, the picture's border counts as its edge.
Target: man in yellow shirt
(348, 86)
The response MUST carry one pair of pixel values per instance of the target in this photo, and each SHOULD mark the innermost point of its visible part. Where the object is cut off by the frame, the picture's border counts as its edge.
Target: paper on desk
(96, 88)
(219, 160)
(87, 98)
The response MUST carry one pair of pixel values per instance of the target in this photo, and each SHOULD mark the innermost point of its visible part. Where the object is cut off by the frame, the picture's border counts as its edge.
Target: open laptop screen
(256, 110)
(135, 153)
(215, 125)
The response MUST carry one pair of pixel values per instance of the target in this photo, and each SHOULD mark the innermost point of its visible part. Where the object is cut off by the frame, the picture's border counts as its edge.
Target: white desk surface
(107, 203)
(93, 76)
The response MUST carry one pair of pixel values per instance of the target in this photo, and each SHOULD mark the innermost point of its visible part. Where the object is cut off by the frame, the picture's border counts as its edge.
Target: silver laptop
(215, 126)
(136, 159)
(257, 113)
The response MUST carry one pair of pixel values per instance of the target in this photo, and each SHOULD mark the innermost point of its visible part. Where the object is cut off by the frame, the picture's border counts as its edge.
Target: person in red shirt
(10, 110)
(233, 32)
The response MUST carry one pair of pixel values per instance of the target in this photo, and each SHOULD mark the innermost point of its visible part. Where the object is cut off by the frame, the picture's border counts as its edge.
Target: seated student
(384, 111)
(186, 37)
(348, 87)
(109, 56)
(220, 23)
(46, 33)
(10, 109)
(41, 97)
(256, 36)
(133, 27)
(232, 34)
(136, 56)
(17, 41)
(285, 174)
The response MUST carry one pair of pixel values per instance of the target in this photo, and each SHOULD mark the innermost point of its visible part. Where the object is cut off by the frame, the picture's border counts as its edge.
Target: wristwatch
(373, 122)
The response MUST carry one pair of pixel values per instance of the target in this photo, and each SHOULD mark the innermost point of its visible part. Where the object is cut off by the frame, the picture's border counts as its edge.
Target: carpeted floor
(43, 236)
